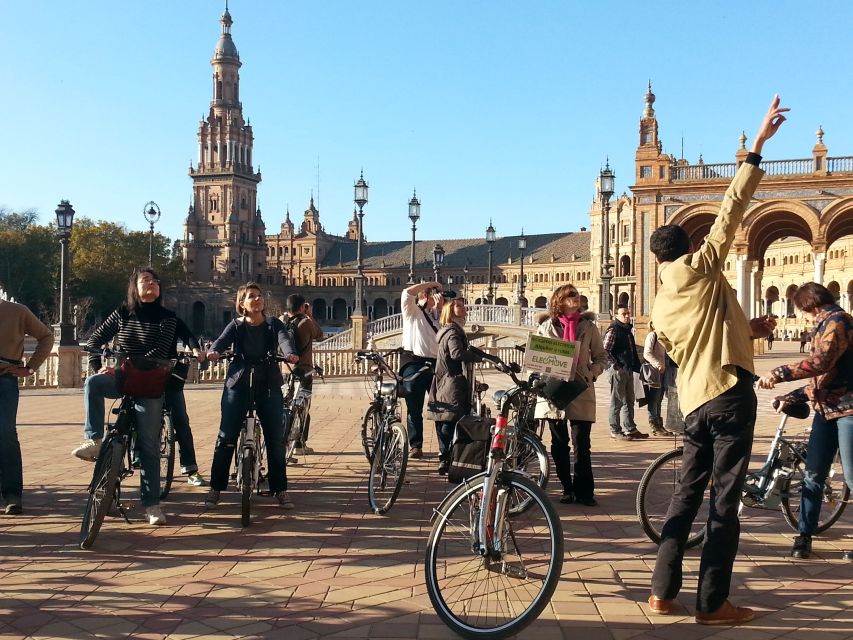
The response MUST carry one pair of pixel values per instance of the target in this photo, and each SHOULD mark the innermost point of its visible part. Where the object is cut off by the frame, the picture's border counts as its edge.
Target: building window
(661, 172)
(645, 171)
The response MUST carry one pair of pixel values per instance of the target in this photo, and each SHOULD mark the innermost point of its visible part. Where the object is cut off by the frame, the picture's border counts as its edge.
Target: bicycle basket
(470, 450)
(142, 377)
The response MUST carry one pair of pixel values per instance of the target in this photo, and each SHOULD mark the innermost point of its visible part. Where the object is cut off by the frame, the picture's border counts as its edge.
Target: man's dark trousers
(717, 445)
(415, 402)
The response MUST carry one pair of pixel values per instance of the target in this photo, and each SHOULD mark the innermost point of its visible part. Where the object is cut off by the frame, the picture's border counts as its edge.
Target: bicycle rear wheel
(493, 597)
(660, 481)
(102, 490)
(245, 473)
(836, 493)
(370, 425)
(388, 468)
(167, 455)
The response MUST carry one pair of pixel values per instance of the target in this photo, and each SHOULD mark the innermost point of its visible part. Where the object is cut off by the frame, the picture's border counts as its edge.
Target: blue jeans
(11, 471)
(149, 416)
(269, 405)
(177, 405)
(415, 403)
(444, 431)
(827, 437)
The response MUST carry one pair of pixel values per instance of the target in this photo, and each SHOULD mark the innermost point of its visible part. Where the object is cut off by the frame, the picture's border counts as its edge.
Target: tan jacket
(17, 322)
(592, 361)
(696, 312)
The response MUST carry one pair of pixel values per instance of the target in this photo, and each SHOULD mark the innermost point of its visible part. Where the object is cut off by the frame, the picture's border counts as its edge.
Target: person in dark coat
(450, 393)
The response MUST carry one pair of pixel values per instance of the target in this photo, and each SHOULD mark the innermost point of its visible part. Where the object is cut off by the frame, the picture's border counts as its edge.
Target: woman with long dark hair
(141, 327)
(255, 337)
(829, 367)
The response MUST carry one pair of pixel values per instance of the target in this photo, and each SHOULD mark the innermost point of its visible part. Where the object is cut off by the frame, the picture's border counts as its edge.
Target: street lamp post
(522, 245)
(437, 261)
(414, 216)
(64, 221)
(360, 199)
(152, 214)
(465, 282)
(490, 240)
(606, 188)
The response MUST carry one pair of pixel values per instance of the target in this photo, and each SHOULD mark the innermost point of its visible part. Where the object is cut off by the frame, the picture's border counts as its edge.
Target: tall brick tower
(224, 233)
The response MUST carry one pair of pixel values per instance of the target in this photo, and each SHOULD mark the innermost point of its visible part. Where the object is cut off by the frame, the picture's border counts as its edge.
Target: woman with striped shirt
(142, 327)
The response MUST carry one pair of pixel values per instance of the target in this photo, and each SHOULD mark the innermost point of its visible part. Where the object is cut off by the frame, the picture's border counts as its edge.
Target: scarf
(570, 326)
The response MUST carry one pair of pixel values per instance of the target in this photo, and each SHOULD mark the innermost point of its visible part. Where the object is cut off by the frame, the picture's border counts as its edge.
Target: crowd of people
(697, 354)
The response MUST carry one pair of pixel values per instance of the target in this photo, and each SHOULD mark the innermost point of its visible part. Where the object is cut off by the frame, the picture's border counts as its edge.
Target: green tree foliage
(103, 255)
(29, 262)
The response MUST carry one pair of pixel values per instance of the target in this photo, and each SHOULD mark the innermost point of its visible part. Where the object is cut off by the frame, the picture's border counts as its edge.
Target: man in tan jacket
(704, 330)
(16, 322)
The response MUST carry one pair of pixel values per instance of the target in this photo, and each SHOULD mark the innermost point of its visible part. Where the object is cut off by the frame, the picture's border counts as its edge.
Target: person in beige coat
(565, 321)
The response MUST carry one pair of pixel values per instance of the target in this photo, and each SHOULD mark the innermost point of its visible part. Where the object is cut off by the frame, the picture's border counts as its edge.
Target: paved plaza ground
(333, 569)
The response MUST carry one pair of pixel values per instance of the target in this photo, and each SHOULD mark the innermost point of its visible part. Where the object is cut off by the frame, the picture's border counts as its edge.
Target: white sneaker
(196, 480)
(88, 450)
(155, 515)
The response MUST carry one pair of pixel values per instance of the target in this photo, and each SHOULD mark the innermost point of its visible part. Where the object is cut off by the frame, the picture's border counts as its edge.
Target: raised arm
(715, 248)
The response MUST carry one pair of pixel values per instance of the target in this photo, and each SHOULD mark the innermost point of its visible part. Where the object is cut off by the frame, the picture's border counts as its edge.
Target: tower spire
(649, 111)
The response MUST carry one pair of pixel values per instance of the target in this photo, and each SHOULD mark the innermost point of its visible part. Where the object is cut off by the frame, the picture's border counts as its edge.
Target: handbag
(142, 377)
(560, 393)
(649, 375)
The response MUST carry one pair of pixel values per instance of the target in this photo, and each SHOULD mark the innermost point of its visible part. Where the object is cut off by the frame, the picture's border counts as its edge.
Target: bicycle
(250, 449)
(383, 436)
(114, 462)
(491, 568)
(776, 484)
(297, 407)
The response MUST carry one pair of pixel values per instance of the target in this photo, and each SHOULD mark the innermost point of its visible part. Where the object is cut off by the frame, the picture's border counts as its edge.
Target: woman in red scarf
(565, 321)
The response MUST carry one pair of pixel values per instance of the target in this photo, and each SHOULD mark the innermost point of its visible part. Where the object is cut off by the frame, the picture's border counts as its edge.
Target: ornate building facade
(226, 242)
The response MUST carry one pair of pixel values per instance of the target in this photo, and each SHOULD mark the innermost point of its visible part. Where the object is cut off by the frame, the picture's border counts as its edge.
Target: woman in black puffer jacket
(450, 393)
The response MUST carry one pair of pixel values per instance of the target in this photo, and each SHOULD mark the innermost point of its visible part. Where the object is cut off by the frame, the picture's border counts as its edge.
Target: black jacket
(278, 339)
(623, 350)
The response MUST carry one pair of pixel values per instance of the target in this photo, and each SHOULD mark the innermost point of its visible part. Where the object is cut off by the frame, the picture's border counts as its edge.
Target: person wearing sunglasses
(566, 321)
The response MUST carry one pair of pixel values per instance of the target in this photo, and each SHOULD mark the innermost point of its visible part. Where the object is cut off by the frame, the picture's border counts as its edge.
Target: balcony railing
(489, 314)
(727, 170)
(342, 340)
(388, 324)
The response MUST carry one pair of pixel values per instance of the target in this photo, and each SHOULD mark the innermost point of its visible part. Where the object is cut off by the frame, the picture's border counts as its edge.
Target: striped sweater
(148, 331)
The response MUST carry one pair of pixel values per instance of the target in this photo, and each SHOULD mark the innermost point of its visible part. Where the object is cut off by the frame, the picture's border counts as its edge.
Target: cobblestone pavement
(333, 569)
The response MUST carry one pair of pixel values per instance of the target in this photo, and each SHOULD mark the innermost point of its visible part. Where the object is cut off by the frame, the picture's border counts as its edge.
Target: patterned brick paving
(332, 569)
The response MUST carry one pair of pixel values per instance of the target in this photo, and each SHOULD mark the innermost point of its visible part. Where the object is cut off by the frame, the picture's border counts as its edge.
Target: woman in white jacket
(565, 321)
(655, 355)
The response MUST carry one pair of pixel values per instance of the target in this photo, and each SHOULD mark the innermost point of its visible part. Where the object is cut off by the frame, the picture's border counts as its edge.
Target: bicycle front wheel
(497, 595)
(102, 491)
(294, 435)
(657, 486)
(247, 468)
(836, 493)
(370, 425)
(167, 455)
(388, 468)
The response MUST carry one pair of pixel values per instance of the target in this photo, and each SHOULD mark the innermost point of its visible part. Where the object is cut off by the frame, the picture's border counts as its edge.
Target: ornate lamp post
(64, 331)
(437, 261)
(490, 240)
(360, 199)
(605, 189)
(414, 216)
(465, 282)
(522, 245)
(152, 214)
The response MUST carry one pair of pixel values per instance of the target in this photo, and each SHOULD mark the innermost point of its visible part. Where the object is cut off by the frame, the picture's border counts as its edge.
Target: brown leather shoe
(416, 453)
(660, 606)
(727, 614)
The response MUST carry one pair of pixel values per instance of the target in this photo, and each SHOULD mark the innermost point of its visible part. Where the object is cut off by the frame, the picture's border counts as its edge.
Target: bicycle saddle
(480, 387)
(798, 410)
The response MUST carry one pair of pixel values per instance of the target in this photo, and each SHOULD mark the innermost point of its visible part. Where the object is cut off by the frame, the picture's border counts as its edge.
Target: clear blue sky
(491, 108)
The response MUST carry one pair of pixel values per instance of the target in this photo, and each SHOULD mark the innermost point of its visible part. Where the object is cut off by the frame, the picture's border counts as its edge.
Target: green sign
(551, 356)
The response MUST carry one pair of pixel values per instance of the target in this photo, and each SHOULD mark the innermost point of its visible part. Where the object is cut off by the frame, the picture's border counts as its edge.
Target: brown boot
(727, 614)
(661, 606)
